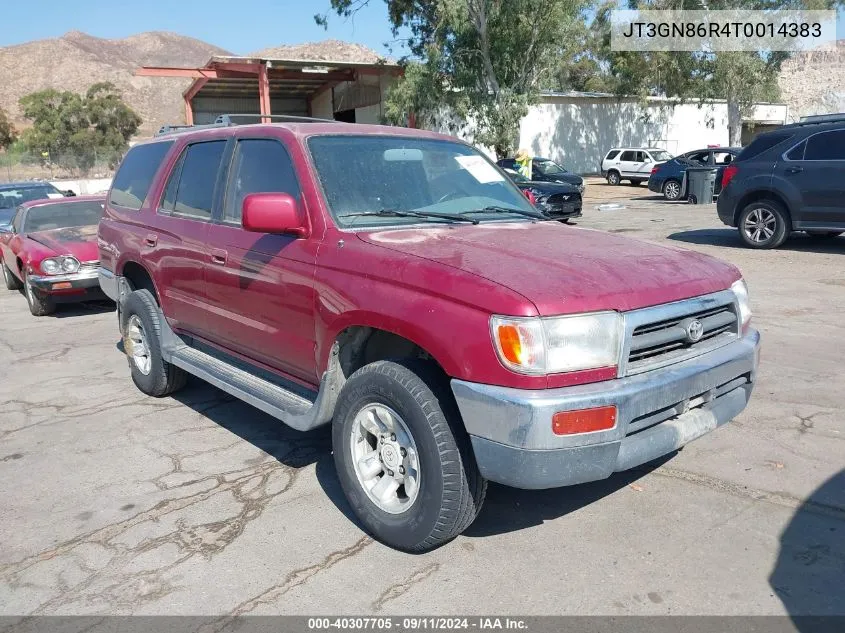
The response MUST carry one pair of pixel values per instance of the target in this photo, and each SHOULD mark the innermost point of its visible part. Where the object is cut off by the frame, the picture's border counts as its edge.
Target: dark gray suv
(790, 179)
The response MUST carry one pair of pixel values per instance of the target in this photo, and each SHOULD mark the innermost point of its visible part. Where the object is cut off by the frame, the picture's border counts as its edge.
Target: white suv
(632, 163)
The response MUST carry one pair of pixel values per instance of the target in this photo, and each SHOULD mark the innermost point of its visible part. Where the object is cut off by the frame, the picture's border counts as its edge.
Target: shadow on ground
(70, 310)
(728, 237)
(809, 575)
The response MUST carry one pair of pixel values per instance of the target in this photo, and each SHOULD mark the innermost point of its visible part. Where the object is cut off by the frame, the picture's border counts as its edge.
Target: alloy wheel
(760, 225)
(672, 190)
(135, 343)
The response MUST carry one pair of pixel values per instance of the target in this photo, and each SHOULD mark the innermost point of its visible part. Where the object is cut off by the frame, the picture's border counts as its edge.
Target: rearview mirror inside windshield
(402, 155)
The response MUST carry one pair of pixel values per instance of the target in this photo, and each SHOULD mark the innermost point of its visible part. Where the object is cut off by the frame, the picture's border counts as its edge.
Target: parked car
(51, 251)
(789, 179)
(394, 283)
(557, 200)
(668, 178)
(545, 170)
(633, 164)
(13, 194)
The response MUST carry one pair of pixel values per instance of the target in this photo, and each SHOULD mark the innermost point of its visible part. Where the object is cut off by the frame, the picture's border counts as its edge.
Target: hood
(563, 269)
(572, 179)
(79, 241)
(548, 188)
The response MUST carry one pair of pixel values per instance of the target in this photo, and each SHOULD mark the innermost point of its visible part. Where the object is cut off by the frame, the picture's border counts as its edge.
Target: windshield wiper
(498, 209)
(396, 213)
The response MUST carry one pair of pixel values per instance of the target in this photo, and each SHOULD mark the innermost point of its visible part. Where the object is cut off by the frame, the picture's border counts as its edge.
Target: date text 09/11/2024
(416, 623)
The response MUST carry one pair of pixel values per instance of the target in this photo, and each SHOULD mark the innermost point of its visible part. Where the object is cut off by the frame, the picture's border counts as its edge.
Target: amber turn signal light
(584, 420)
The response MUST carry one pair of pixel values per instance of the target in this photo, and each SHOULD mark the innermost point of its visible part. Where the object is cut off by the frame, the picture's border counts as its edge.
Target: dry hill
(76, 60)
(813, 82)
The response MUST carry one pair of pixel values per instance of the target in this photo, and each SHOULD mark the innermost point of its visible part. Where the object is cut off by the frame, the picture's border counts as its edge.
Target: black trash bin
(700, 184)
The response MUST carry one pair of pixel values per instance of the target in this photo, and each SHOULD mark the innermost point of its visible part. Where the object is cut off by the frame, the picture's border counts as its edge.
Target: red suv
(396, 284)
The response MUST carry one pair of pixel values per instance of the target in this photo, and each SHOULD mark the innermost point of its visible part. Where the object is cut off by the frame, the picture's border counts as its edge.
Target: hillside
(327, 50)
(76, 60)
(813, 82)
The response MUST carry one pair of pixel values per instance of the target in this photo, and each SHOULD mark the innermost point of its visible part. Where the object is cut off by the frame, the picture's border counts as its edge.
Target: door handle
(218, 257)
(795, 169)
(151, 240)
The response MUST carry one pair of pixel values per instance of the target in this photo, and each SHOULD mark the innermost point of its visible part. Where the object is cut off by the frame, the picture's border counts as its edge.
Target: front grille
(89, 265)
(664, 340)
(555, 204)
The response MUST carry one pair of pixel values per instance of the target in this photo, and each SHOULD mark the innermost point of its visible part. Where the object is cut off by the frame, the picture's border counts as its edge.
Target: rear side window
(826, 146)
(135, 175)
(196, 174)
(612, 154)
(763, 143)
(259, 166)
(629, 155)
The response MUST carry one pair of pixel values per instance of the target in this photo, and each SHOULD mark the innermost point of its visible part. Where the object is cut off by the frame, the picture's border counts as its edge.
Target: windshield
(12, 197)
(548, 167)
(515, 175)
(660, 154)
(376, 174)
(64, 215)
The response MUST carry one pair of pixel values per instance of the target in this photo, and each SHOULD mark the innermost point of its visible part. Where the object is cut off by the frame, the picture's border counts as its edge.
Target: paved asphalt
(116, 503)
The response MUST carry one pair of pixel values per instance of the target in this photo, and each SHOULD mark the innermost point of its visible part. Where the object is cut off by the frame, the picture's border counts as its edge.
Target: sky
(240, 26)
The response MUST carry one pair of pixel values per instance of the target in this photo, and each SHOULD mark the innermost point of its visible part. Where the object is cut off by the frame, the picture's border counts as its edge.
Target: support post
(189, 111)
(264, 93)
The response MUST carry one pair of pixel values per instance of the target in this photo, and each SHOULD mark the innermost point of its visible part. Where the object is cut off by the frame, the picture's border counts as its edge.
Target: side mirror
(273, 213)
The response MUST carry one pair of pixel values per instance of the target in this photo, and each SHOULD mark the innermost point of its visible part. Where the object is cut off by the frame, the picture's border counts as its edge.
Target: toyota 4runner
(395, 284)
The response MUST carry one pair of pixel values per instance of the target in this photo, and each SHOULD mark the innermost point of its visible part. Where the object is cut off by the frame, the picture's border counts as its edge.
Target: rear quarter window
(763, 143)
(612, 154)
(135, 176)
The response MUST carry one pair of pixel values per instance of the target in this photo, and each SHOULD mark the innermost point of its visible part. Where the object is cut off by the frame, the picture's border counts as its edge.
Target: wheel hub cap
(135, 344)
(385, 458)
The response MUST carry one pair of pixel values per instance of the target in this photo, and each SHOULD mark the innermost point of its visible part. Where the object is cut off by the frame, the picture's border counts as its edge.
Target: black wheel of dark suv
(763, 224)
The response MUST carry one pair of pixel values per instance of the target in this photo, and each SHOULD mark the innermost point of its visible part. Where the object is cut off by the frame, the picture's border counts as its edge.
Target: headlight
(51, 266)
(536, 345)
(740, 289)
(70, 264)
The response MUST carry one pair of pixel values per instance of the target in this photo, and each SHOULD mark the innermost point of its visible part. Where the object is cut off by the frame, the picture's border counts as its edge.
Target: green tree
(73, 130)
(486, 59)
(8, 134)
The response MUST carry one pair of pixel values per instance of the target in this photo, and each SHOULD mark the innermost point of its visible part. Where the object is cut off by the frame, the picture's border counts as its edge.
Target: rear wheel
(142, 344)
(403, 458)
(672, 190)
(613, 178)
(40, 304)
(12, 282)
(763, 224)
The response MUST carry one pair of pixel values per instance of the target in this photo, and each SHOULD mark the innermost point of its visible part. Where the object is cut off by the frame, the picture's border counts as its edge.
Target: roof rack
(821, 118)
(228, 120)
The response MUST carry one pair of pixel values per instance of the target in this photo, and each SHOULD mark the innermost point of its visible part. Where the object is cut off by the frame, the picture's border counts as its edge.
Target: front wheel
(40, 304)
(403, 458)
(613, 178)
(763, 224)
(12, 282)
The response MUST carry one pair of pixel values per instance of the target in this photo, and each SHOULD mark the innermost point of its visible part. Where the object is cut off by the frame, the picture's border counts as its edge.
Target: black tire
(451, 489)
(672, 191)
(772, 216)
(39, 303)
(12, 282)
(613, 177)
(162, 377)
(824, 235)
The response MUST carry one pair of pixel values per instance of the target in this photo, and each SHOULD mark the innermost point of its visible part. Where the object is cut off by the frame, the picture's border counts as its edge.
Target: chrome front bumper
(658, 412)
(81, 280)
(109, 284)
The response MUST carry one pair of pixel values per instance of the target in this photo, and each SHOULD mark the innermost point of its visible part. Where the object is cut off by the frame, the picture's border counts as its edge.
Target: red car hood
(564, 269)
(79, 241)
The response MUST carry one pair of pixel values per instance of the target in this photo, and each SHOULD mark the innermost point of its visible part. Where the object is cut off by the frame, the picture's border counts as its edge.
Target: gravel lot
(113, 502)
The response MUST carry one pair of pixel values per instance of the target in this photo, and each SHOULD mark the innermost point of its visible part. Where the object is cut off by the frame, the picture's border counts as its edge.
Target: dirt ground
(116, 503)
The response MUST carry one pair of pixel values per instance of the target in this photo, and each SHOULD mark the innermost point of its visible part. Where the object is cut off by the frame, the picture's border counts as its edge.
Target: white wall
(84, 187)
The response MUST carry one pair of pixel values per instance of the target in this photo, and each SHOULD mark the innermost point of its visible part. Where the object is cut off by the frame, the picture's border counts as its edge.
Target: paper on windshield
(480, 169)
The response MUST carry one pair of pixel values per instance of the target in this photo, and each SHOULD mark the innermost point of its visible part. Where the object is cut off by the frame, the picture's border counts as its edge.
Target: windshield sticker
(480, 169)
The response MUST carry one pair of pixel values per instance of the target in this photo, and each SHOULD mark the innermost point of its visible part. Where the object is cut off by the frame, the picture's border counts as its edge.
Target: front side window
(197, 176)
(135, 174)
(826, 146)
(63, 215)
(393, 180)
(259, 166)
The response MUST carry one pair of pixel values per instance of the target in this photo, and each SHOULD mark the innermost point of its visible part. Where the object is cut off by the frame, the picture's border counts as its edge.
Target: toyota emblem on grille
(694, 329)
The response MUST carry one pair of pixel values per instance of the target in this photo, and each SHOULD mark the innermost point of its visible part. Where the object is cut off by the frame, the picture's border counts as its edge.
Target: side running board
(294, 409)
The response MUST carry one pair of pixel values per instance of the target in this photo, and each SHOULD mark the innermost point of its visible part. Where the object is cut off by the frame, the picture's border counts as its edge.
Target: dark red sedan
(50, 250)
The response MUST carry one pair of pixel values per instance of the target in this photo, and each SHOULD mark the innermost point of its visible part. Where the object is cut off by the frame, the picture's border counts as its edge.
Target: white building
(576, 128)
